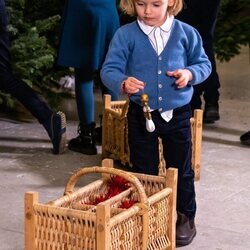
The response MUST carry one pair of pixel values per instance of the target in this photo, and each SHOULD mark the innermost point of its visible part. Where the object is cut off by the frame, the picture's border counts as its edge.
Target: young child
(162, 57)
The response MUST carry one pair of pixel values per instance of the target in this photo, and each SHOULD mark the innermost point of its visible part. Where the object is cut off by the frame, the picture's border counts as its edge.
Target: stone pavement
(223, 193)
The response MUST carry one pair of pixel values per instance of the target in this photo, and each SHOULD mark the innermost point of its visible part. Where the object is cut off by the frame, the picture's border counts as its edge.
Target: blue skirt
(87, 29)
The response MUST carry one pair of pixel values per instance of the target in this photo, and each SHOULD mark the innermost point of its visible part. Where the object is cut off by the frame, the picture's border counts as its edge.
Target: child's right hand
(131, 85)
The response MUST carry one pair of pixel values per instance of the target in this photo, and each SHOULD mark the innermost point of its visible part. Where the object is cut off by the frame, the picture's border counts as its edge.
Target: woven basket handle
(106, 170)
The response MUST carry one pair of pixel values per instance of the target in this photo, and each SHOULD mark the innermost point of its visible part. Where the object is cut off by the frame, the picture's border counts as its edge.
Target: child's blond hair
(128, 6)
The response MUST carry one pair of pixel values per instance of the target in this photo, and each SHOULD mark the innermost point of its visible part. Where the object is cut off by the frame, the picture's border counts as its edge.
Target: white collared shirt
(158, 37)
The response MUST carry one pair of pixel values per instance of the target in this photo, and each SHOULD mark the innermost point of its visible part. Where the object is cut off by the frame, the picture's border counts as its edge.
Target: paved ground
(223, 193)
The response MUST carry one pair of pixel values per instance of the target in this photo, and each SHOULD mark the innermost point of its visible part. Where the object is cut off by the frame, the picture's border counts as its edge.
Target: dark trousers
(177, 150)
(11, 84)
(202, 14)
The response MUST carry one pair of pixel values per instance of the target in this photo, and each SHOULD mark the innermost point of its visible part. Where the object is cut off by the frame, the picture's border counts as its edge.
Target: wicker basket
(115, 137)
(67, 223)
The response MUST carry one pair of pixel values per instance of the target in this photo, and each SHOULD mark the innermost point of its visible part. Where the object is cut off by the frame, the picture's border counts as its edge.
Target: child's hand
(131, 85)
(183, 76)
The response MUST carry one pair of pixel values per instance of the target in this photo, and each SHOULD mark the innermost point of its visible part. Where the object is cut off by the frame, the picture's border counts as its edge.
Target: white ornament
(150, 126)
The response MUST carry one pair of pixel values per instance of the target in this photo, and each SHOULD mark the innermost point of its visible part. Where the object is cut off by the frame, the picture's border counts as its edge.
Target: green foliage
(6, 100)
(34, 34)
(233, 28)
(33, 56)
(33, 49)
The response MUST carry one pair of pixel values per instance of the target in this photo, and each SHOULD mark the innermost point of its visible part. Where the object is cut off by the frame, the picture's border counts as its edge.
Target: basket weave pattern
(69, 223)
(115, 135)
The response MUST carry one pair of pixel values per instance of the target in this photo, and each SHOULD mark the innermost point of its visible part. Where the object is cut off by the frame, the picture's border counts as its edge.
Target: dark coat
(87, 28)
(3, 15)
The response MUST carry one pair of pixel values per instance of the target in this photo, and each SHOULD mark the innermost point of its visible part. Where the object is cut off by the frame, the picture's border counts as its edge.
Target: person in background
(202, 15)
(87, 28)
(53, 122)
(162, 57)
(245, 138)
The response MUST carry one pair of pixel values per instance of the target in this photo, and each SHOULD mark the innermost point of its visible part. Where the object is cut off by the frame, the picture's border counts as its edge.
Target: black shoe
(211, 114)
(56, 128)
(185, 230)
(82, 145)
(245, 139)
(98, 132)
(85, 142)
(98, 135)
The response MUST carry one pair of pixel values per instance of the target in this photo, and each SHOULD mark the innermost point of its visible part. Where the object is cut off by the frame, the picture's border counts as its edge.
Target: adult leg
(104, 91)
(85, 141)
(11, 84)
(85, 100)
(55, 124)
(212, 84)
(191, 15)
(202, 15)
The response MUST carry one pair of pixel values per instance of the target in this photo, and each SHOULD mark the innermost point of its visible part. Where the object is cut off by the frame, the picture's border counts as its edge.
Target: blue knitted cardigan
(131, 54)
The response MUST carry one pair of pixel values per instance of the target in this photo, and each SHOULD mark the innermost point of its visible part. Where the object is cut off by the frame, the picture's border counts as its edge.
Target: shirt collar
(166, 26)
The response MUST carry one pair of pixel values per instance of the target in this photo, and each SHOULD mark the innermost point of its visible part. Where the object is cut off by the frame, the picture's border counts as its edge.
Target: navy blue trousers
(13, 85)
(202, 15)
(177, 150)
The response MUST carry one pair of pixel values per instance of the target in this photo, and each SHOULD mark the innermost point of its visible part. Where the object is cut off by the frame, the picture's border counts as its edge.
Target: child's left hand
(183, 76)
